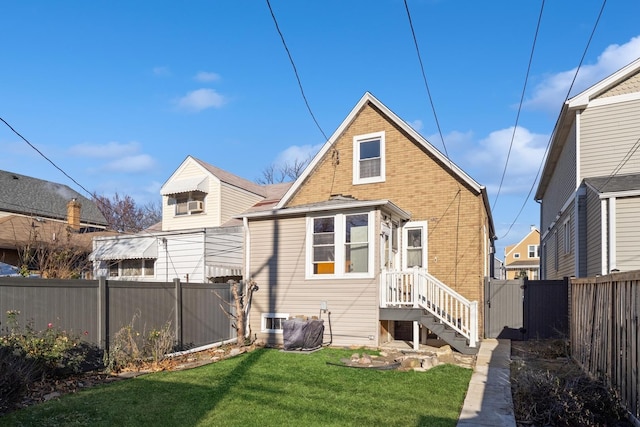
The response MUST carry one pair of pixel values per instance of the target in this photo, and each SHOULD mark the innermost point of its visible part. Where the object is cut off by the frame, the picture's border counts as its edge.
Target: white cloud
(131, 164)
(161, 71)
(486, 161)
(551, 92)
(201, 99)
(105, 151)
(205, 76)
(416, 125)
(299, 153)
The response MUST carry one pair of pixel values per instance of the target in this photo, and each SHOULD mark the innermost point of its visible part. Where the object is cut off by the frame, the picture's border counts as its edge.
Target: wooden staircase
(447, 334)
(432, 303)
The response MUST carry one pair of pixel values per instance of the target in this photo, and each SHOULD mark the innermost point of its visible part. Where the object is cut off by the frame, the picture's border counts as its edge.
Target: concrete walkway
(488, 401)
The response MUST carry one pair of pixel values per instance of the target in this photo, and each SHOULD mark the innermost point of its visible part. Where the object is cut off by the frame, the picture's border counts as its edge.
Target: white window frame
(265, 316)
(357, 140)
(516, 255)
(405, 240)
(339, 244)
(118, 267)
(566, 231)
(535, 249)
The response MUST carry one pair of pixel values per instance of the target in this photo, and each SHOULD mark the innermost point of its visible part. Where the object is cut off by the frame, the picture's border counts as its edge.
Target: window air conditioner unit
(195, 206)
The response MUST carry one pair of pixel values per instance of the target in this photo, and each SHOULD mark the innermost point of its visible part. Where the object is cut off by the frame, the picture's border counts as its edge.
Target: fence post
(103, 314)
(473, 332)
(178, 311)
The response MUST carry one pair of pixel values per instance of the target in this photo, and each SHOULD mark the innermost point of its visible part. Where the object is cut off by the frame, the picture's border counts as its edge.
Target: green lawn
(264, 388)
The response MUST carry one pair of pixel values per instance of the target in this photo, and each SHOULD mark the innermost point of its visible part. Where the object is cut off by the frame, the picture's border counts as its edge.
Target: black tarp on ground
(301, 334)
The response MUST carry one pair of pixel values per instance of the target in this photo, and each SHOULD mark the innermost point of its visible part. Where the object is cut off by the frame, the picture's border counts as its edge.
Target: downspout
(247, 268)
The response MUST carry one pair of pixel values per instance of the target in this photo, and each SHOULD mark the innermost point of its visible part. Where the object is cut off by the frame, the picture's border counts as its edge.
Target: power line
(424, 78)
(45, 157)
(584, 54)
(295, 70)
(524, 88)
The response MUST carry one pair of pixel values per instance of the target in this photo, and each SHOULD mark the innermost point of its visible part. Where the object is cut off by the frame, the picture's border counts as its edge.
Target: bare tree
(53, 251)
(124, 215)
(241, 304)
(290, 171)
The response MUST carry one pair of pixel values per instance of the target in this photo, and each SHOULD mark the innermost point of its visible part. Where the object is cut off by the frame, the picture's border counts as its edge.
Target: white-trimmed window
(516, 255)
(273, 322)
(567, 237)
(340, 245)
(191, 203)
(369, 158)
(414, 236)
(534, 251)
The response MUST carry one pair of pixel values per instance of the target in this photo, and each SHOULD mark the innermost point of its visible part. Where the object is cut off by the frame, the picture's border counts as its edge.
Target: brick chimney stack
(73, 214)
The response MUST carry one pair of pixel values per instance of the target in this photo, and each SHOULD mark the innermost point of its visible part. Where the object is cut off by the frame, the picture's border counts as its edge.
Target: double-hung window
(414, 237)
(369, 158)
(339, 245)
(534, 251)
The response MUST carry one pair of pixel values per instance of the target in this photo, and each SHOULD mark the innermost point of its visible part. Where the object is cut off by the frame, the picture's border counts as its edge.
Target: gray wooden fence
(525, 309)
(604, 331)
(97, 309)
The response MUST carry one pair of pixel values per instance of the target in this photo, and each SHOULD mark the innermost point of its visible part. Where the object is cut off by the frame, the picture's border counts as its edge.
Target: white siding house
(199, 240)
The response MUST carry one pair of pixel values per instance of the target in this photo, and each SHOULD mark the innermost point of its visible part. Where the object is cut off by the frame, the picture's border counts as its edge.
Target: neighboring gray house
(199, 241)
(589, 190)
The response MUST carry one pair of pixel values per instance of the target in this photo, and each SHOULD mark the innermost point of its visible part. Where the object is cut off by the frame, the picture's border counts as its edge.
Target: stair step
(446, 333)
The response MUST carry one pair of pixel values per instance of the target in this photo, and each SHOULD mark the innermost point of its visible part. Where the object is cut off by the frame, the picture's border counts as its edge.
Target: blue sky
(118, 93)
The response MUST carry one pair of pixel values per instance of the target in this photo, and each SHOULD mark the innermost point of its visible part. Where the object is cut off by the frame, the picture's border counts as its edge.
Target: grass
(267, 388)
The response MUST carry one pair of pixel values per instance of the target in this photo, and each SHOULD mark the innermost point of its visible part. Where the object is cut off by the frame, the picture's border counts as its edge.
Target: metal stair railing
(417, 288)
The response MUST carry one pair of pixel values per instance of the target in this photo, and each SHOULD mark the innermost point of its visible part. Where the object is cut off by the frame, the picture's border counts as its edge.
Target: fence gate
(546, 308)
(525, 309)
(503, 315)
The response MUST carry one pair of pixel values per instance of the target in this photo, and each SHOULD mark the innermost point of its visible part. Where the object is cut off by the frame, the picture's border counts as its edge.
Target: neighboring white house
(589, 190)
(199, 241)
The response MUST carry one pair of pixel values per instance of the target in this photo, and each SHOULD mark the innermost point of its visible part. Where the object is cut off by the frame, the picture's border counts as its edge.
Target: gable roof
(222, 175)
(566, 119)
(510, 248)
(30, 196)
(368, 98)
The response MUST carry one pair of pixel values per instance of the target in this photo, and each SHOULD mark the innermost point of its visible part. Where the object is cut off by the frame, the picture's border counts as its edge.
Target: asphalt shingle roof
(616, 183)
(25, 195)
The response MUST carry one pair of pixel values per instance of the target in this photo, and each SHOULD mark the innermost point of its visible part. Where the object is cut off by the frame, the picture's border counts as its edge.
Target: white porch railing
(419, 289)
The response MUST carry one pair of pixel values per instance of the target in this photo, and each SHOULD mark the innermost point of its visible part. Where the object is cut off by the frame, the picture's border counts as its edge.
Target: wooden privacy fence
(96, 309)
(604, 331)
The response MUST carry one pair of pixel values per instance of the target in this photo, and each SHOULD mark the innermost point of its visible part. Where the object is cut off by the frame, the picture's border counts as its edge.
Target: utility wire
(524, 88)
(435, 115)
(426, 84)
(45, 157)
(584, 54)
(295, 70)
(623, 162)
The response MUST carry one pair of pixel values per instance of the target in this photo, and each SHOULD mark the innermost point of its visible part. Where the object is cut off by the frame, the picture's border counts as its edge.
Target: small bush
(16, 374)
(130, 348)
(52, 348)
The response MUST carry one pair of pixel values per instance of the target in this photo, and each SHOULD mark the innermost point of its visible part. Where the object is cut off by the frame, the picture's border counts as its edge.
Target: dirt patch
(549, 389)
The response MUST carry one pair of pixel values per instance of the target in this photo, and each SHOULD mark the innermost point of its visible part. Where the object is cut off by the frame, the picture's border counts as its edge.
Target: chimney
(73, 214)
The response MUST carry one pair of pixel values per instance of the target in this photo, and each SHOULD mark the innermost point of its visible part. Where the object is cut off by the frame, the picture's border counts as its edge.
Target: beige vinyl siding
(562, 184)
(627, 233)
(278, 260)
(593, 234)
(211, 215)
(630, 85)
(234, 201)
(608, 132)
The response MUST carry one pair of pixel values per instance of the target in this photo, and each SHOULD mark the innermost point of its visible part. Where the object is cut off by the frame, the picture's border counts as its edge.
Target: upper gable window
(369, 158)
